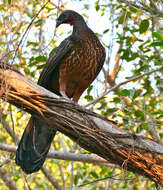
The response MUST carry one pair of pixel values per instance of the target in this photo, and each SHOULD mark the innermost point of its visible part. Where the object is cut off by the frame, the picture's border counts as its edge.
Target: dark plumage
(70, 69)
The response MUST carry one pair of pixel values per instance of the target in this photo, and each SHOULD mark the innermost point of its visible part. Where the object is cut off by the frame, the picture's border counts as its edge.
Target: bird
(68, 72)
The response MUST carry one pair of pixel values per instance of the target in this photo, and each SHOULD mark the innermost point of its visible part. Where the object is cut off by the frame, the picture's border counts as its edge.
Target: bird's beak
(58, 23)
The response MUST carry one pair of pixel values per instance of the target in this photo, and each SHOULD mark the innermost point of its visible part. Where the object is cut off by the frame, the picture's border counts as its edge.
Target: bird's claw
(63, 94)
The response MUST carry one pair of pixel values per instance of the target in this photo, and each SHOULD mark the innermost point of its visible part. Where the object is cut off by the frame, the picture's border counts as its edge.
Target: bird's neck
(80, 28)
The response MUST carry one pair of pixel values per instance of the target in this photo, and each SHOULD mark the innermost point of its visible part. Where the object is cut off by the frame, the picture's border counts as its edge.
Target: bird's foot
(63, 94)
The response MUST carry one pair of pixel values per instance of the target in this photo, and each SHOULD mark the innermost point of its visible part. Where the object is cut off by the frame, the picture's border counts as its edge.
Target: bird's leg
(78, 93)
(80, 89)
(62, 85)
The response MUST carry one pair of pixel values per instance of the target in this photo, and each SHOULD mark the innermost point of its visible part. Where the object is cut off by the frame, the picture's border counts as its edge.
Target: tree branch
(9, 129)
(91, 131)
(122, 83)
(66, 156)
(154, 11)
(51, 179)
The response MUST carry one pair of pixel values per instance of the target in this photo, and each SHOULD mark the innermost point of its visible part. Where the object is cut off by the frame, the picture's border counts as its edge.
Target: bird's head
(68, 17)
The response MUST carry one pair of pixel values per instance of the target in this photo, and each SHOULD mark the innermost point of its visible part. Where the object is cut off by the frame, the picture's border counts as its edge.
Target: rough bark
(91, 131)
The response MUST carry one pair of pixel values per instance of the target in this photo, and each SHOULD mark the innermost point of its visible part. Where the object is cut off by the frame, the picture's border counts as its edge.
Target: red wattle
(70, 23)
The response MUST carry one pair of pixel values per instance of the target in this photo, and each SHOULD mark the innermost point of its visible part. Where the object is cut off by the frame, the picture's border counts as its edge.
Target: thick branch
(91, 131)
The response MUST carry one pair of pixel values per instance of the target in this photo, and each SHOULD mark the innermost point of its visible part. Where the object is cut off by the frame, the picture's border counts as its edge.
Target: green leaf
(75, 179)
(9, 2)
(88, 98)
(94, 174)
(97, 5)
(121, 19)
(132, 9)
(111, 110)
(4, 116)
(143, 27)
(116, 100)
(143, 126)
(12, 156)
(105, 31)
(137, 93)
(90, 89)
(154, 44)
(40, 66)
(161, 135)
(29, 43)
(38, 22)
(35, 60)
(40, 59)
(124, 92)
(139, 114)
(158, 35)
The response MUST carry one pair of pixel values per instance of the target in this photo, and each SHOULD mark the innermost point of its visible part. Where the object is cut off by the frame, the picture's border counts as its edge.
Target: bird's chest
(82, 62)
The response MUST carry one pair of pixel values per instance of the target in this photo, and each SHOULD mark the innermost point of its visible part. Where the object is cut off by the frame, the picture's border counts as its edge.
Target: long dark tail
(34, 145)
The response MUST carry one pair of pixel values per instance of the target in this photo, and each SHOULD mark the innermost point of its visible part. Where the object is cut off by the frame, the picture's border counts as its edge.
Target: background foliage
(132, 33)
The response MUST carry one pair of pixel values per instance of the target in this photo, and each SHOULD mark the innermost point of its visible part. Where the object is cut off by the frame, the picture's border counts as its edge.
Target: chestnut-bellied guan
(70, 69)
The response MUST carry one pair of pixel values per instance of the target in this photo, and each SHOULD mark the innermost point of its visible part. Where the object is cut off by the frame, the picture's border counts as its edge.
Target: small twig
(115, 70)
(28, 27)
(55, 27)
(25, 180)
(62, 143)
(62, 175)
(122, 83)
(12, 119)
(9, 183)
(6, 161)
(52, 180)
(72, 174)
(105, 178)
(9, 129)
(153, 11)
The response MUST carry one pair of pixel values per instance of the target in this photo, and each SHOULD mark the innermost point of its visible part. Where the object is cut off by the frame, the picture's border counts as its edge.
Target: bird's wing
(100, 65)
(54, 60)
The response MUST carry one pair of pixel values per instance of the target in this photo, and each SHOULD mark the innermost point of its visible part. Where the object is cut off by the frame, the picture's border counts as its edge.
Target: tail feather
(34, 145)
